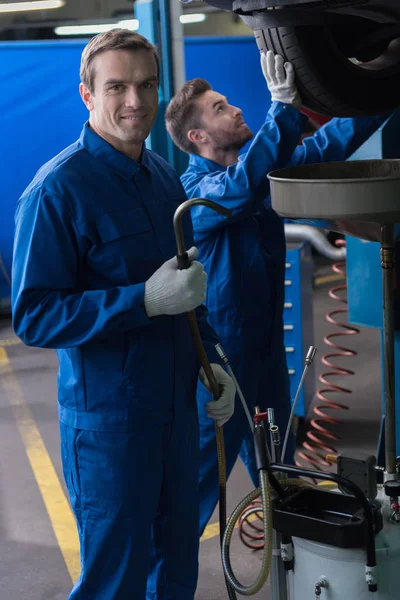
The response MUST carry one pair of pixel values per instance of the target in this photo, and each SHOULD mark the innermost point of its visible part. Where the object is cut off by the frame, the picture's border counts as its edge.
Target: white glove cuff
(154, 299)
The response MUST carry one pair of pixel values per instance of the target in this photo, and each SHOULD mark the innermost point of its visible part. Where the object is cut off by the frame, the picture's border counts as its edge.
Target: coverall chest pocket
(126, 247)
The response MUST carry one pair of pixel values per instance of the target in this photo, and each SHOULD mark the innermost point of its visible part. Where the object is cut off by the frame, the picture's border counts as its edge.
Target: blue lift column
(159, 23)
(364, 272)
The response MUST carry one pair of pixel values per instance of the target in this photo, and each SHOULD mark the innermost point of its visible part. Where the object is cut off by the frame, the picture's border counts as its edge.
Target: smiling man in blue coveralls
(245, 255)
(95, 277)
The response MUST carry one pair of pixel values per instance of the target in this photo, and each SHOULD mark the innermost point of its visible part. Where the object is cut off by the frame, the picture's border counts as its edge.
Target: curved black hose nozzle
(183, 260)
(184, 263)
(350, 487)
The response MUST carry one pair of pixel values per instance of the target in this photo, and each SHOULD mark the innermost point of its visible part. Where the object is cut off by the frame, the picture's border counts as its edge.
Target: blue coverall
(91, 228)
(245, 260)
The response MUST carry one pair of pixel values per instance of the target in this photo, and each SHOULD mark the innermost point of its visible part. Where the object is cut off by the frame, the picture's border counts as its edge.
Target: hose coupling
(275, 435)
(321, 583)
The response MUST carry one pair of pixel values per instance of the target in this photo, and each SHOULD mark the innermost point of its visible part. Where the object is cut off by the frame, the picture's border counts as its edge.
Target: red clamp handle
(260, 417)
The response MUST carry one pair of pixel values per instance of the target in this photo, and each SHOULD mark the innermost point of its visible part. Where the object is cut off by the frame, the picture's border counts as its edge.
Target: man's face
(222, 123)
(124, 101)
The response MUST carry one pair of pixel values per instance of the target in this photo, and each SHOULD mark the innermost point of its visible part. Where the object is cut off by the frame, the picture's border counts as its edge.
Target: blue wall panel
(41, 113)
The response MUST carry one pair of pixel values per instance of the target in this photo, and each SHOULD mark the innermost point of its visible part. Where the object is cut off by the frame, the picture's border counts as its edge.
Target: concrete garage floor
(38, 544)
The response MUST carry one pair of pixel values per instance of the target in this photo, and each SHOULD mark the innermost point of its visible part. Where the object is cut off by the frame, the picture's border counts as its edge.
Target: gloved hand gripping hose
(183, 263)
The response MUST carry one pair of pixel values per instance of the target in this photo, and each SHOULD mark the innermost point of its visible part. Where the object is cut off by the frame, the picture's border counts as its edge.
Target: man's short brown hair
(115, 39)
(182, 115)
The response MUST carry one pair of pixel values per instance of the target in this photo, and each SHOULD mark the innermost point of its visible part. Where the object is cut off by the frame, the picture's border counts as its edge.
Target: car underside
(346, 52)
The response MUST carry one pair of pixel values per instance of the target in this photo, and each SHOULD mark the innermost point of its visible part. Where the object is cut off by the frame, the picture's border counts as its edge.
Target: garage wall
(41, 112)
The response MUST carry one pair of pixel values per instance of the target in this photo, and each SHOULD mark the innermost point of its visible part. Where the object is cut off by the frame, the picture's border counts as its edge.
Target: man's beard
(228, 143)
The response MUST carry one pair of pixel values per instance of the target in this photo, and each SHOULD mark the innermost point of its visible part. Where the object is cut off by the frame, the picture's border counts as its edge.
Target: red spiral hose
(320, 438)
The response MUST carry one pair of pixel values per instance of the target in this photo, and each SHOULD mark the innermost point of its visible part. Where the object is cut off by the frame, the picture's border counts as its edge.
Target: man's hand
(280, 79)
(171, 291)
(222, 409)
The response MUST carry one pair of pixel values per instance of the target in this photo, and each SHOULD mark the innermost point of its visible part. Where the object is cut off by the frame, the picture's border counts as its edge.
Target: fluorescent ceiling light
(132, 24)
(95, 28)
(26, 6)
(193, 18)
(84, 29)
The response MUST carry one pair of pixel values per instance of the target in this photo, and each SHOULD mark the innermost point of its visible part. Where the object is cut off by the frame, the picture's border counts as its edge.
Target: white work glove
(280, 79)
(171, 291)
(222, 409)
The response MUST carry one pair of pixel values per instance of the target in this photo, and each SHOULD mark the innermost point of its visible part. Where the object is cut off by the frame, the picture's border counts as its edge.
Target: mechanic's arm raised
(337, 139)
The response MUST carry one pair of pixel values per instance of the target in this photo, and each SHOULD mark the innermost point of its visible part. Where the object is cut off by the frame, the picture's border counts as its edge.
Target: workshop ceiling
(40, 24)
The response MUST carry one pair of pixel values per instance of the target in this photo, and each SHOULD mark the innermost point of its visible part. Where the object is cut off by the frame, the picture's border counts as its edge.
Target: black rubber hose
(184, 263)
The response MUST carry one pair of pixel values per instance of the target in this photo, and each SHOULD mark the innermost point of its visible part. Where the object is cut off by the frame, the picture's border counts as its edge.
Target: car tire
(329, 83)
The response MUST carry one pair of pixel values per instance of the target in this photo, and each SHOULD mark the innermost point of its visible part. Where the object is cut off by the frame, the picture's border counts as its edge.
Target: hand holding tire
(279, 76)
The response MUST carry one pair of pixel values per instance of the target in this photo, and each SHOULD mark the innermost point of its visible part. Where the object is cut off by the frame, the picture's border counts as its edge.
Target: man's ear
(197, 136)
(86, 96)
